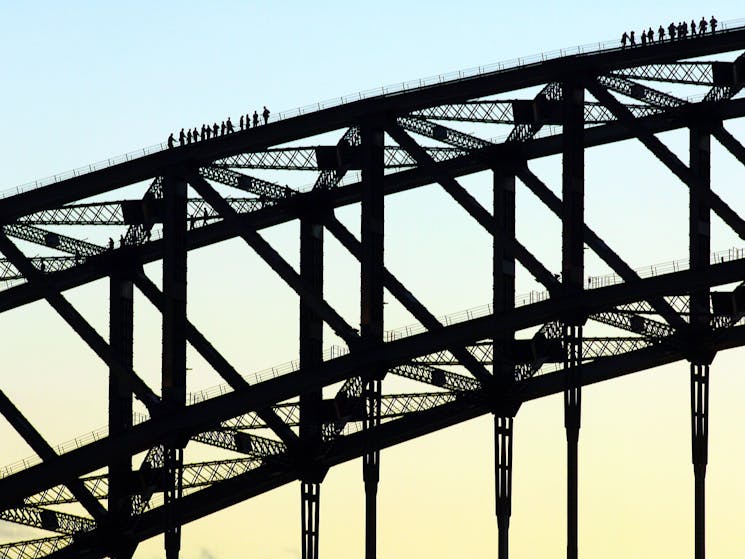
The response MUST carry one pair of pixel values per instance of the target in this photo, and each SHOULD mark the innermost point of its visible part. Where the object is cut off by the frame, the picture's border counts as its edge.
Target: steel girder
(467, 163)
(501, 112)
(210, 412)
(694, 73)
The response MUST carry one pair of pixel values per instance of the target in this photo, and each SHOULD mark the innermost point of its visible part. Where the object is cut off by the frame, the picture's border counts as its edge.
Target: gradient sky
(84, 81)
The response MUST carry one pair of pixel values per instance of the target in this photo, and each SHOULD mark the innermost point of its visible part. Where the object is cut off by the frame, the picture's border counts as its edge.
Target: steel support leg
(311, 354)
(700, 444)
(504, 370)
(174, 347)
(572, 415)
(311, 505)
(503, 475)
(700, 247)
(120, 405)
(371, 315)
(572, 269)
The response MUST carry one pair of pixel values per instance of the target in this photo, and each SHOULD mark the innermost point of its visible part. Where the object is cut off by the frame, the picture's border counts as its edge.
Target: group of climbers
(189, 136)
(680, 31)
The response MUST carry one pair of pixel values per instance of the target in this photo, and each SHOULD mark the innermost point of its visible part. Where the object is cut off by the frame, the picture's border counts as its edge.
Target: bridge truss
(282, 426)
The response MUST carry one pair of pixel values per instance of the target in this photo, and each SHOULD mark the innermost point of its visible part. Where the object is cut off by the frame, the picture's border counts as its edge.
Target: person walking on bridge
(693, 28)
(661, 34)
(702, 26)
(170, 141)
(195, 135)
(256, 119)
(240, 123)
(265, 115)
(644, 38)
(181, 137)
(624, 38)
(632, 40)
(650, 36)
(713, 21)
(229, 126)
(671, 31)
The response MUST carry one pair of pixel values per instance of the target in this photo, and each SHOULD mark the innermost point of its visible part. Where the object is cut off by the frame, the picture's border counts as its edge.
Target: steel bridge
(477, 364)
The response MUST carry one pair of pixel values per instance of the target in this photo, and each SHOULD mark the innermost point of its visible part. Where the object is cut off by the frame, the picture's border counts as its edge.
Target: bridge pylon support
(699, 448)
(371, 314)
(311, 355)
(572, 419)
(503, 368)
(174, 347)
(572, 269)
(699, 253)
(121, 319)
(503, 476)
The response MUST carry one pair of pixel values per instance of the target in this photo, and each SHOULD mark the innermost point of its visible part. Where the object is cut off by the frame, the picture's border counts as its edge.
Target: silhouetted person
(693, 28)
(121, 240)
(685, 29)
(256, 119)
(215, 130)
(111, 243)
(661, 34)
(170, 140)
(624, 38)
(222, 128)
(713, 22)
(195, 134)
(240, 123)
(632, 39)
(702, 26)
(644, 38)
(671, 31)
(188, 136)
(203, 135)
(265, 114)
(650, 35)
(229, 126)
(207, 132)
(181, 137)
(248, 121)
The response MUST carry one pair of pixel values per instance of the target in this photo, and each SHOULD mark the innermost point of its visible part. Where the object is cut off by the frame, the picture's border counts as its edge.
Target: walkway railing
(515, 63)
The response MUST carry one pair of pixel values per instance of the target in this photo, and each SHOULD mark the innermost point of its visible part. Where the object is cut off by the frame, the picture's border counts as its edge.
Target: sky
(84, 81)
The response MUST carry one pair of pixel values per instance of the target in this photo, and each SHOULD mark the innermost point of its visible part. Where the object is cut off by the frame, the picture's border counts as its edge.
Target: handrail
(383, 91)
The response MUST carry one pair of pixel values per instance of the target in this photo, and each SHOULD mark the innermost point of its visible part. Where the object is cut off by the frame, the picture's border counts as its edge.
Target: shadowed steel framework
(281, 424)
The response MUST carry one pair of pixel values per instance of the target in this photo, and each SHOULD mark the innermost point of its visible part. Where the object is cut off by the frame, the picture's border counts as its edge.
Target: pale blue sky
(83, 81)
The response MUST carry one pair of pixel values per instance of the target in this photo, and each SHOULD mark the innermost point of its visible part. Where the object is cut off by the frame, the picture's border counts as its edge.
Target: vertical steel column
(699, 251)
(120, 403)
(503, 477)
(371, 315)
(504, 369)
(310, 517)
(311, 354)
(174, 345)
(572, 269)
